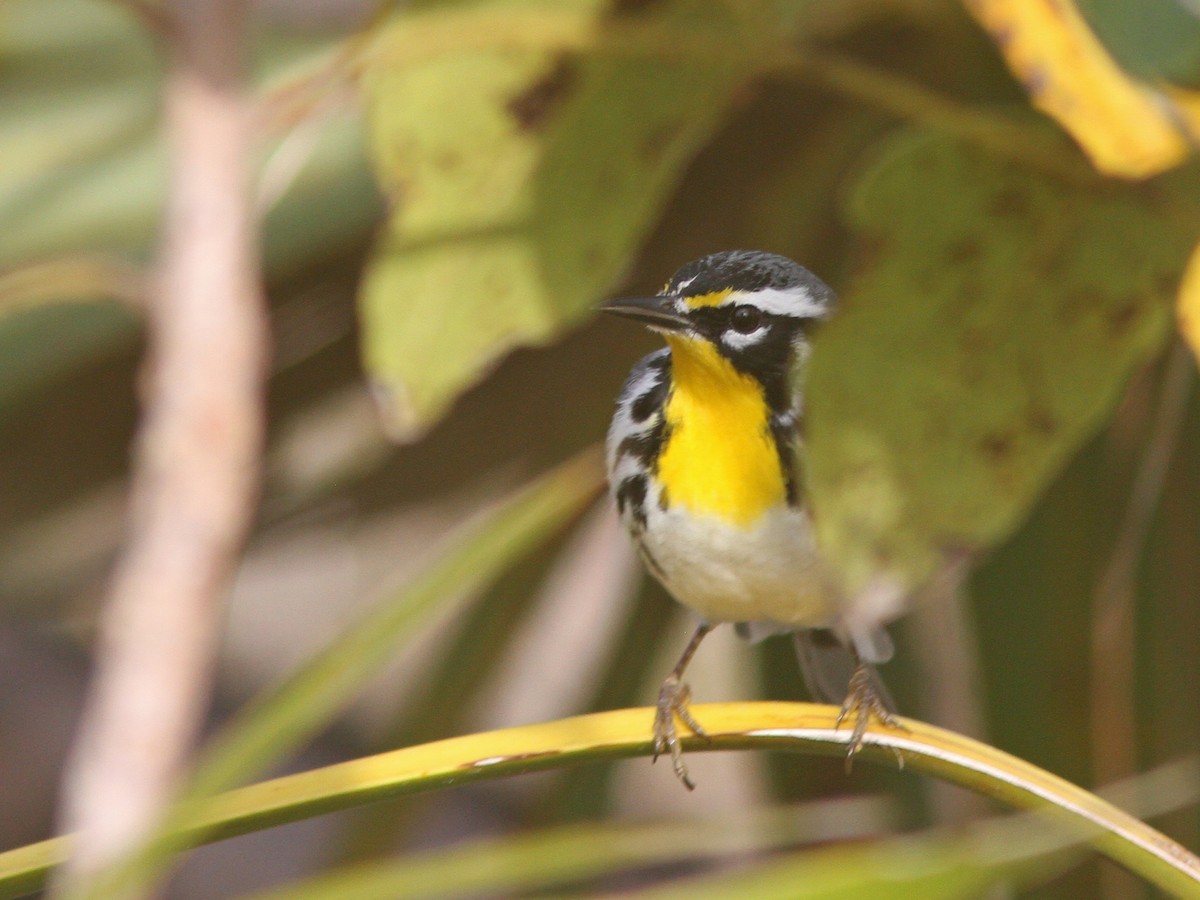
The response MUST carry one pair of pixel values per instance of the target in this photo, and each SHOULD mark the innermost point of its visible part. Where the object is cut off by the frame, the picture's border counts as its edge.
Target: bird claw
(673, 699)
(862, 702)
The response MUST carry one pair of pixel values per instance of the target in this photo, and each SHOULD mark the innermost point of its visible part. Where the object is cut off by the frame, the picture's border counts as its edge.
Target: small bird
(705, 464)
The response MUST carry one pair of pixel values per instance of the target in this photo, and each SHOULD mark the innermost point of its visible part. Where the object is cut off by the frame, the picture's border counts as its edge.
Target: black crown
(745, 270)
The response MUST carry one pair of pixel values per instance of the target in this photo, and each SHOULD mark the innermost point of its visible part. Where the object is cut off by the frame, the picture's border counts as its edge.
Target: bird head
(755, 309)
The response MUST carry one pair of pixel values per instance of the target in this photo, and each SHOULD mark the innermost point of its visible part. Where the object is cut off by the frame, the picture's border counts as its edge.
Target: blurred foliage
(1156, 40)
(499, 233)
(532, 157)
(990, 328)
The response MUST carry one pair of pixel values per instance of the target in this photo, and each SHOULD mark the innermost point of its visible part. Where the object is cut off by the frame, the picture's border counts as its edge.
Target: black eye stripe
(711, 321)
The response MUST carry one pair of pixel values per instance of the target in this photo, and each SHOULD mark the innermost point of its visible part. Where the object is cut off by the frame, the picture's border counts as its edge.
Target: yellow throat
(720, 458)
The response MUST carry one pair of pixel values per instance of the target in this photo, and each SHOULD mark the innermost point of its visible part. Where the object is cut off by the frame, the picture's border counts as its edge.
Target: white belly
(767, 572)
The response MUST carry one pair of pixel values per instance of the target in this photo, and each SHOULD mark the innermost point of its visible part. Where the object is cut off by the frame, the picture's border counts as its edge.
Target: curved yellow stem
(794, 727)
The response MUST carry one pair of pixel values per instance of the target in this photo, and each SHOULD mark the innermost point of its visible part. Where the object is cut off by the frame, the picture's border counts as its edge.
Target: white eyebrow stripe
(798, 303)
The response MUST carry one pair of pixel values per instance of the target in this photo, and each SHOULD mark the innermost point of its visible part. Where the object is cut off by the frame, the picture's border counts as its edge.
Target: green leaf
(84, 171)
(1156, 40)
(81, 137)
(40, 345)
(83, 167)
(526, 148)
(556, 857)
(1011, 852)
(932, 866)
(993, 323)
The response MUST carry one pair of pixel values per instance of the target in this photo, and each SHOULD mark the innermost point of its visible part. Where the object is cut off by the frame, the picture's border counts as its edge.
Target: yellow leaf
(623, 733)
(1123, 126)
(1185, 105)
(1189, 303)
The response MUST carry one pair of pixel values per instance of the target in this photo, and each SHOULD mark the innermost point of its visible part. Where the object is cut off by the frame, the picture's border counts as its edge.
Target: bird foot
(673, 699)
(863, 701)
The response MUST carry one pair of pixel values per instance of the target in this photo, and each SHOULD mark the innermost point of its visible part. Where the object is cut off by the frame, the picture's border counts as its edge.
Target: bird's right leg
(866, 697)
(673, 699)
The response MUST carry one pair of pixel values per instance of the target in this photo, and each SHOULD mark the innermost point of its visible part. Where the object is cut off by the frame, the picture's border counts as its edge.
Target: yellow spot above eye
(720, 458)
(714, 298)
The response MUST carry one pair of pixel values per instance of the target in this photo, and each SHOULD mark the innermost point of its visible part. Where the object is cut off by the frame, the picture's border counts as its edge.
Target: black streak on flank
(534, 105)
(643, 446)
(631, 493)
(652, 398)
(648, 403)
(784, 435)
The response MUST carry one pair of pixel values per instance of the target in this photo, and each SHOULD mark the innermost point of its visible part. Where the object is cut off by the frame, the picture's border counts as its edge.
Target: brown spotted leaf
(993, 323)
(526, 147)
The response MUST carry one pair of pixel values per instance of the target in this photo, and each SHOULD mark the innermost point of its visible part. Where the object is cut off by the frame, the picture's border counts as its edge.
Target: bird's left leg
(673, 699)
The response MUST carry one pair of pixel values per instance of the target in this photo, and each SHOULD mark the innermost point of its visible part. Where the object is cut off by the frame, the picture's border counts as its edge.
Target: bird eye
(745, 319)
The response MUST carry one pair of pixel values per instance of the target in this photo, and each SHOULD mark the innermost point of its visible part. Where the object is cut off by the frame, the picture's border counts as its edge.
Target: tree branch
(1113, 731)
(196, 458)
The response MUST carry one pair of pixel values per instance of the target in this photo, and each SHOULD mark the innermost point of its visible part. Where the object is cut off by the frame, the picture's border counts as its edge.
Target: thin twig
(327, 84)
(1114, 744)
(952, 688)
(1112, 608)
(999, 134)
(196, 459)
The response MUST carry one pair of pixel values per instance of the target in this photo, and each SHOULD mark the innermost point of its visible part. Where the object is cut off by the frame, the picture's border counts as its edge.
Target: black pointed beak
(657, 312)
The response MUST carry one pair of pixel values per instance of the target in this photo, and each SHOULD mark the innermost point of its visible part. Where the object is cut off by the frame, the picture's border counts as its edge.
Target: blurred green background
(778, 160)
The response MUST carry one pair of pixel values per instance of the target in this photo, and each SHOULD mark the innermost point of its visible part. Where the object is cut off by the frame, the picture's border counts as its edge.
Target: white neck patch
(735, 340)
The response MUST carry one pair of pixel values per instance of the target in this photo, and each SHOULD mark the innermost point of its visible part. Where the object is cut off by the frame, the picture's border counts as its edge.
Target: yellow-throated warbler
(705, 464)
